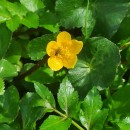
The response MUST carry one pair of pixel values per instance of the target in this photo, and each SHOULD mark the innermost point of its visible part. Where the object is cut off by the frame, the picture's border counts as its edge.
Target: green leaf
(31, 110)
(5, 127)
(68, 98)
(14, 8)
(7, 69)
(55, 123)
(109, 15)
(71, 13)
(2, 87)
(96, 67)
(13, 23)
(31, 20)
(49, 21)
(37, 47)
(124, 124)
(13, 54)
(5, 37)
(32, 5)
(43, 75)
(120, 103)
(46, 95)
(4, 13)
(9, 105)
(89, 22)
(91, 116)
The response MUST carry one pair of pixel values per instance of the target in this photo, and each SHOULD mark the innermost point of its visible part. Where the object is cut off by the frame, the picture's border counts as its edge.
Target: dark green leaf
(55, 123)
(48, 20)
(91, 116)
(95, 68)
(89, 22)
(46, 76)
(32, 5)
(109, 15)
(46, 95)
(7, 69)
(120, 103)
(5, 127)
(13, 54)
(5, 37)
(9, 105)
(71, 13)
(31, 110)
(37, 47)
(2, 86)
(68, 98)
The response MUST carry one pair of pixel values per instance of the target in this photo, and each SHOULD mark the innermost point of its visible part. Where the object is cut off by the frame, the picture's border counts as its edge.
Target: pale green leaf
(55, 123)
(7, 69)
(32, 5)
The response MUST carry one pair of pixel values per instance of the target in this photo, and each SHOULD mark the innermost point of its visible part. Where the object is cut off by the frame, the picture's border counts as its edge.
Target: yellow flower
(63, 51)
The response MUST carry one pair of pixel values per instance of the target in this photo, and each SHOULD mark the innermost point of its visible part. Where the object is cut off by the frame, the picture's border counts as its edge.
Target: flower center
(57, 52)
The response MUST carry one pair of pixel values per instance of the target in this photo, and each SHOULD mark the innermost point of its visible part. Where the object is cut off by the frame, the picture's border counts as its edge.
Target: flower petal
(63, 37)
(51, 48)
(69, 61)
(55, 63)
(76, 46)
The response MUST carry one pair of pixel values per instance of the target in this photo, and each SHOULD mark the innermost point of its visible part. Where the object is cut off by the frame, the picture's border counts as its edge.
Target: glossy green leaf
(2, 86)
(9, 105)
(120, 103)
(46, 95)
(7, 69)
(109, 15)
(91, 116)
(5, 127)
(71, 13)
(37, 47)
(5, 37)
(68, 98)
(31, 110)
(96, 67)
(55, 123)
(32, 5)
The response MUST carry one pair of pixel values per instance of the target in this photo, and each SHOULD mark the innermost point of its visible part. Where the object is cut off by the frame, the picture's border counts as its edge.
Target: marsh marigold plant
(63, 52)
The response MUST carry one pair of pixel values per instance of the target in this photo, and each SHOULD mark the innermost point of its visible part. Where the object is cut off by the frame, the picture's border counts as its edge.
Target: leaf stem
(125, 46)
(65, 116)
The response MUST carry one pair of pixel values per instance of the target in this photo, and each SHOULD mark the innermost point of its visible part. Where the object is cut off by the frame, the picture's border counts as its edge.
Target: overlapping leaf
(92, 117)
(96, 67)
(31, 110)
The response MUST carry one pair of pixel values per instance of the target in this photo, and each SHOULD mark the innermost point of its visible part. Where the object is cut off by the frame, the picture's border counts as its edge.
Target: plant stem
(125, 46)
(65, 116)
